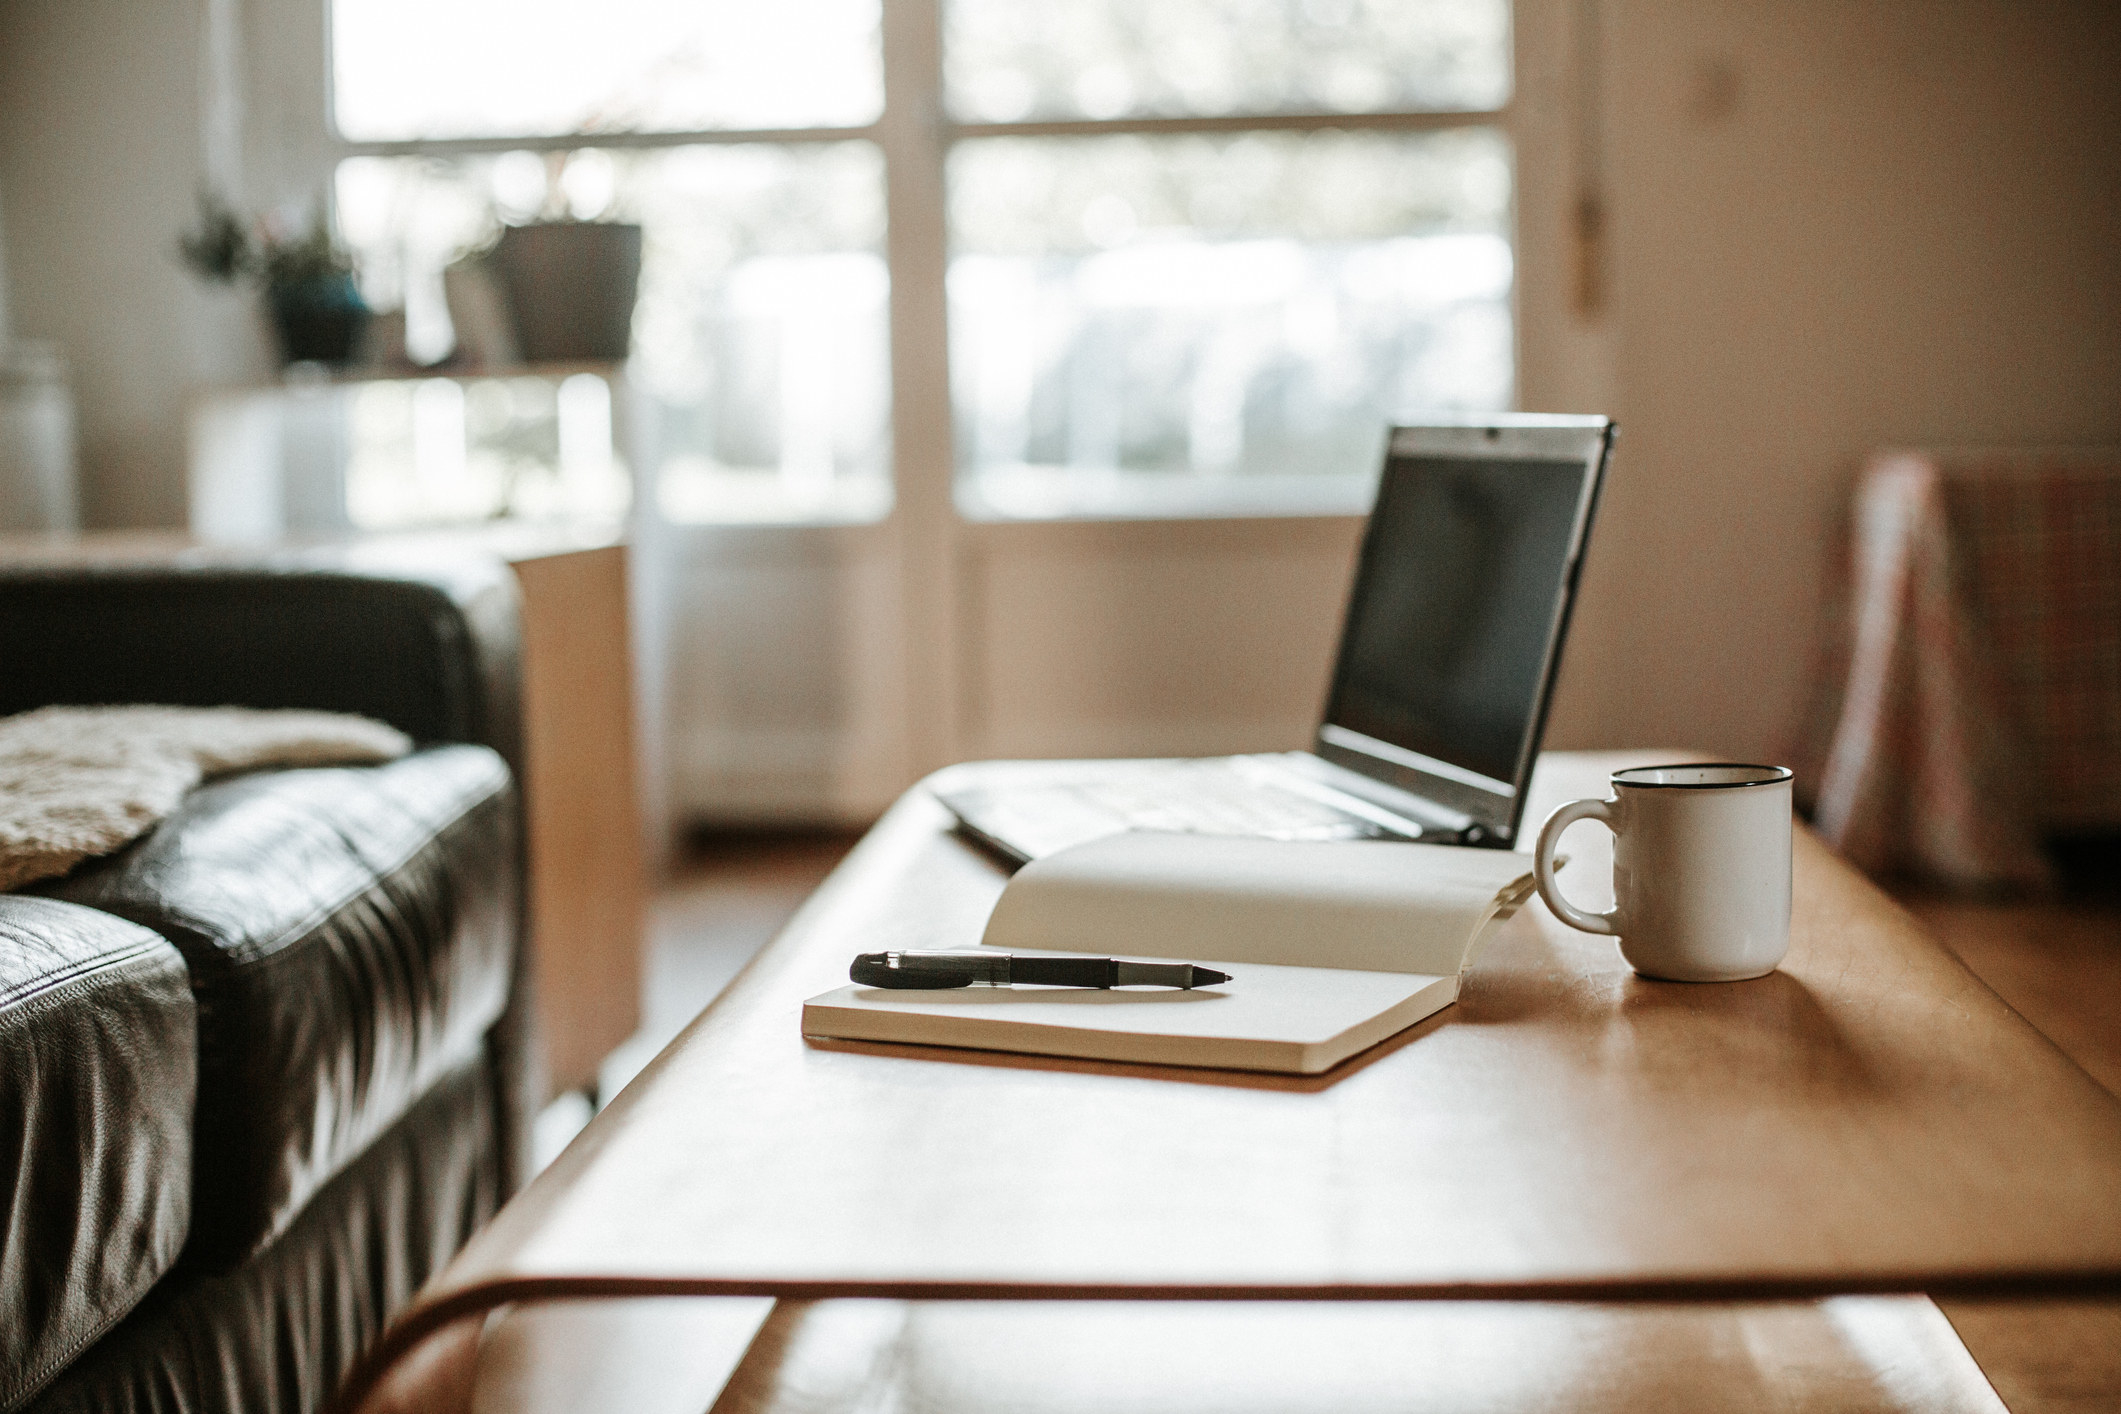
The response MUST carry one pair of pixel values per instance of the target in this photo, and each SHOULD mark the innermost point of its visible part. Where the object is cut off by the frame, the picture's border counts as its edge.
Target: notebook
(1331, 948)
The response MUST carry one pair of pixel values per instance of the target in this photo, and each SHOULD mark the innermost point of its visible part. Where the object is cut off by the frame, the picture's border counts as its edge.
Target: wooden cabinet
(587, 831)
(583, 804)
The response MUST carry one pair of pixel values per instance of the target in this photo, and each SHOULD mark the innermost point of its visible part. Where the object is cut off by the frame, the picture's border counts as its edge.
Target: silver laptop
(1439, 697)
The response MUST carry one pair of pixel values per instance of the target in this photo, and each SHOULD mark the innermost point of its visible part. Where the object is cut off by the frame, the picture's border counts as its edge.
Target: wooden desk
(1868, 1119)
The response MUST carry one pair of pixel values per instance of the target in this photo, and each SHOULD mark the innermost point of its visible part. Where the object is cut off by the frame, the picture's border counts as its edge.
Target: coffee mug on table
(1701, 869)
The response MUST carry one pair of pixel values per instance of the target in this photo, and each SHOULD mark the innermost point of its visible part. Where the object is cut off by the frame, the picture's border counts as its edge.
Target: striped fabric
(1982, 703)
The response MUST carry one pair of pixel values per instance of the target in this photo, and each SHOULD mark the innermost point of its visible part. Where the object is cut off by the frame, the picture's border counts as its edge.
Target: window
(455, 69)
(1198, 252)
(1009, 60)
(759, 343)
(444, 450)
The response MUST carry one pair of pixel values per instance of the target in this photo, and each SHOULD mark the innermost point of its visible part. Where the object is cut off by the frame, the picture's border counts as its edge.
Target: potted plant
(307, 278)
(570, 286)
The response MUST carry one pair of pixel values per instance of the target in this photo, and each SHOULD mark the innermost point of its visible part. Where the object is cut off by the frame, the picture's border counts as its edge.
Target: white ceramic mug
(1701, 869)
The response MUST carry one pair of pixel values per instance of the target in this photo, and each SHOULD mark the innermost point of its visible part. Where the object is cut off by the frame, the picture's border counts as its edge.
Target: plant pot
(318, 321)
(570, 287)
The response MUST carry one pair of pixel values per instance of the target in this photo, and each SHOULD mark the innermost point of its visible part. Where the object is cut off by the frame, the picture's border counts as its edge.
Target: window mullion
(571, 142)
(1437, 120)
(915, 144)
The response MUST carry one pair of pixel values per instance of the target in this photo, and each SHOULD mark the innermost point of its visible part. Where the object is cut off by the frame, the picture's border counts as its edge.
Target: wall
(1837, 226)
(784, 670)
(1149, 638)
(4, 326)
(100, 154)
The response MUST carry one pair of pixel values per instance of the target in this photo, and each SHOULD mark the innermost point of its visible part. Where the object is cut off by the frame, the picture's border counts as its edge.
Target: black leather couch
(264, 1071)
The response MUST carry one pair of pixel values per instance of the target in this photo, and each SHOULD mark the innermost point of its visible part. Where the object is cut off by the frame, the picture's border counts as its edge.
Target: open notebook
(1331, 948)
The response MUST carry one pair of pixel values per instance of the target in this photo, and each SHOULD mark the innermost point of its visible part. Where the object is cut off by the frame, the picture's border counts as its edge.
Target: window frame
(915, 134)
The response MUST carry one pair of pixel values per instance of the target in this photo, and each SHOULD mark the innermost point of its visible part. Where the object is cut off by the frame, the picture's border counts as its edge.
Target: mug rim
(1777, 775)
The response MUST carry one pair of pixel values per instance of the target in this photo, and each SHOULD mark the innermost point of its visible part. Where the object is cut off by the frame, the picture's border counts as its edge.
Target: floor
(2057, 962)
(728, 894)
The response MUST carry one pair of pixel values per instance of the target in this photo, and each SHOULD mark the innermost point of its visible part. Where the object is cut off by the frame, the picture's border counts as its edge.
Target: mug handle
(1543, 865)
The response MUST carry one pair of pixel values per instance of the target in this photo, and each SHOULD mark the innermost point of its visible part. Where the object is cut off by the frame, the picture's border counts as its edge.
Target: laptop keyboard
(1212, 797)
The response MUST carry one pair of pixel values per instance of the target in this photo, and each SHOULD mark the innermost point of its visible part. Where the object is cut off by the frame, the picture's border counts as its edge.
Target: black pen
(932, 971)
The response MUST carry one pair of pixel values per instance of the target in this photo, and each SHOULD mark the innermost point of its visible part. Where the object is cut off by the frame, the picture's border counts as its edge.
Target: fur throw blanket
(78, 782)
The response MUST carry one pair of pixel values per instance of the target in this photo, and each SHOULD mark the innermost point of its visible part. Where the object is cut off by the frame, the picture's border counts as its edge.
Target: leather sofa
(265, 1070)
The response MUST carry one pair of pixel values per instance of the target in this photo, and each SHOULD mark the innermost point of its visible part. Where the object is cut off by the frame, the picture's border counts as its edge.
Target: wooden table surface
(1870, 1118)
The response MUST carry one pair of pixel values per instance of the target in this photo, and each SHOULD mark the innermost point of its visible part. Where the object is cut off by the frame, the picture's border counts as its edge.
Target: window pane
(760, 347)
(1010, 60)
(1213, 317)
(439, 451)
(405, 69)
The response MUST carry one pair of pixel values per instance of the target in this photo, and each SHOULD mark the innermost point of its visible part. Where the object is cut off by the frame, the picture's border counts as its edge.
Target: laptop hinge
(1359, 795)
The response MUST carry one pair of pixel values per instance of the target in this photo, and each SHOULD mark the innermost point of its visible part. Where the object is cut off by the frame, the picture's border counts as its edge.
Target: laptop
(1448, 653)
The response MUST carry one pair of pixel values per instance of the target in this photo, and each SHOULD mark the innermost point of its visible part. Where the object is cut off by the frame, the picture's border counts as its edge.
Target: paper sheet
(1368, 905)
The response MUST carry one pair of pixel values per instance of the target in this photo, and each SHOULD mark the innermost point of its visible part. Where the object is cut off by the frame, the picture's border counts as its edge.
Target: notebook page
(1363, 905)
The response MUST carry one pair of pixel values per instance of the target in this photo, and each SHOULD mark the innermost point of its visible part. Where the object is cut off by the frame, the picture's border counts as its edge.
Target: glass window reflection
(1016, 60)
(760, 343)
(405, 70)
(1198, 314)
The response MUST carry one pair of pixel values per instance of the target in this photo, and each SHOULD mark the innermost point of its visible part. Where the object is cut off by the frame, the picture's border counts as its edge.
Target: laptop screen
(1456, 602)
